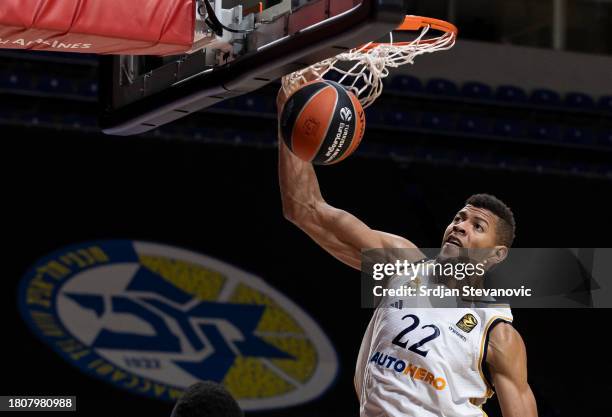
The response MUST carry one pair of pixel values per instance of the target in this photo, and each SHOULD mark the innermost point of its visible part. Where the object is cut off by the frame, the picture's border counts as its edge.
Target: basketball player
(421, 362)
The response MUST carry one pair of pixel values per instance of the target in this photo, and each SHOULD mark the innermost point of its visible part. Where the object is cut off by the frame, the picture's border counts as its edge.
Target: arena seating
(504, 113)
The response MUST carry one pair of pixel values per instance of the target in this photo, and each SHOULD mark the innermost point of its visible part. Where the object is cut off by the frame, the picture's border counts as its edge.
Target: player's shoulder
(505, 334)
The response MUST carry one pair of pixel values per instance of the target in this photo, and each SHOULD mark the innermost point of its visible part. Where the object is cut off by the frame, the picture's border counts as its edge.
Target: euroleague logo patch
(346, 114)
(467, 323)
(153, 319)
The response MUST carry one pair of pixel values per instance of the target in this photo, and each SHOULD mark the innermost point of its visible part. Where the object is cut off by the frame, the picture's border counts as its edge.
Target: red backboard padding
(127, 27)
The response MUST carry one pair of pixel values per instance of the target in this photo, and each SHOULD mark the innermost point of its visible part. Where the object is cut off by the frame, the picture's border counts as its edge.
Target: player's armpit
(507, 362)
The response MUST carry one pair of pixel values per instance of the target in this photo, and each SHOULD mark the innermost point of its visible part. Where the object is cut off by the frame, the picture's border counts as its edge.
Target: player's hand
(281, 99)
(292, 82)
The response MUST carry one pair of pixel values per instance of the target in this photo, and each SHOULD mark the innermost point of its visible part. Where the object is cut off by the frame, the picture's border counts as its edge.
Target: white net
(371, 65)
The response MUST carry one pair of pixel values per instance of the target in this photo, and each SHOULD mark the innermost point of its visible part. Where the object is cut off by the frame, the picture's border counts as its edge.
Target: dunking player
(422, 362)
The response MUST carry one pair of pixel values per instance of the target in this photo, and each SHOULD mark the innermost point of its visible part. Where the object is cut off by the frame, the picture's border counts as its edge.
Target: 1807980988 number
(56, 403)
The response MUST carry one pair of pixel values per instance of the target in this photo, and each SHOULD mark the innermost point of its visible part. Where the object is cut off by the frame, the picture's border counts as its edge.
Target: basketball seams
(351, 105)
(289, 118)
(331, 119)
(304, 107)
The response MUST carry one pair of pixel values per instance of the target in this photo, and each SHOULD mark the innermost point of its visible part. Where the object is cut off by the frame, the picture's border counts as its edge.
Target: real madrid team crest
(467, 323)
(153, 319)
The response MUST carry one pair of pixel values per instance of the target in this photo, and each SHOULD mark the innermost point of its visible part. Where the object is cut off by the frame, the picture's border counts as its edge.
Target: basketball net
(373, 60)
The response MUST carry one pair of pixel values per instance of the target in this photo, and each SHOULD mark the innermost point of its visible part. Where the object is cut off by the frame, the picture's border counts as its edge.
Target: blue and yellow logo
(154, 319)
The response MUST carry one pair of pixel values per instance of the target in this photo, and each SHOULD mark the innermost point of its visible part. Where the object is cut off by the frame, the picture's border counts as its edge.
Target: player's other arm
(507, 361)
(337, 231)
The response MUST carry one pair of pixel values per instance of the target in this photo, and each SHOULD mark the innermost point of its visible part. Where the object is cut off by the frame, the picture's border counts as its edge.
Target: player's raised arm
(507, 361)
(337, 231)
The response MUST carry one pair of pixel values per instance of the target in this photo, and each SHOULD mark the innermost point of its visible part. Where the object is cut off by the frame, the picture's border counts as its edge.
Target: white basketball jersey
(425, 362)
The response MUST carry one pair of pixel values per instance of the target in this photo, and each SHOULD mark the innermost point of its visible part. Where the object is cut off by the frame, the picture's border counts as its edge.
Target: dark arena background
(521, 108)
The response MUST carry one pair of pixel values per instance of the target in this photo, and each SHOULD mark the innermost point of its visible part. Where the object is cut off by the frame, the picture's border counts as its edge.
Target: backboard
(239, 46)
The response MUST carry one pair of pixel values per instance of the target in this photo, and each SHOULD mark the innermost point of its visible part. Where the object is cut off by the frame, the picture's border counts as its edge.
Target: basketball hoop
(373, 60)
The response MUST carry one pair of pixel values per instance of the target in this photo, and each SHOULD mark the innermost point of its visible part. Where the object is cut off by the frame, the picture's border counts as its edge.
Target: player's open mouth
(454, 241)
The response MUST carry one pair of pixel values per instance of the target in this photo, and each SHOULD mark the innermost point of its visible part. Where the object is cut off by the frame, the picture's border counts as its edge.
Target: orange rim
(415, 23)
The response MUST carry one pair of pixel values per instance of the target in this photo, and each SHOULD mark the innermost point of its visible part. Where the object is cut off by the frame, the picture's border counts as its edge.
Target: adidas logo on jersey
(467, 323)
(398, 304)
(456, 333)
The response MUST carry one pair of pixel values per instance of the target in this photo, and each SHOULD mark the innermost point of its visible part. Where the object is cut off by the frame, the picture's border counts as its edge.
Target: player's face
(473, 228)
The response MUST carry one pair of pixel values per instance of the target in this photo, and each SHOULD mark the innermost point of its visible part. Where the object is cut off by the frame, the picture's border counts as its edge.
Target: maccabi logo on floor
(154, 319)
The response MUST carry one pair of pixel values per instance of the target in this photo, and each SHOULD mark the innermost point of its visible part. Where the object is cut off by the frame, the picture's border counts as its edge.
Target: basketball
(322, 122)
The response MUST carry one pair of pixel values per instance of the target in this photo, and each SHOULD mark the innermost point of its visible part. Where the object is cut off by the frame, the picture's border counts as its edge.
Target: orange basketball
(322, 122)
